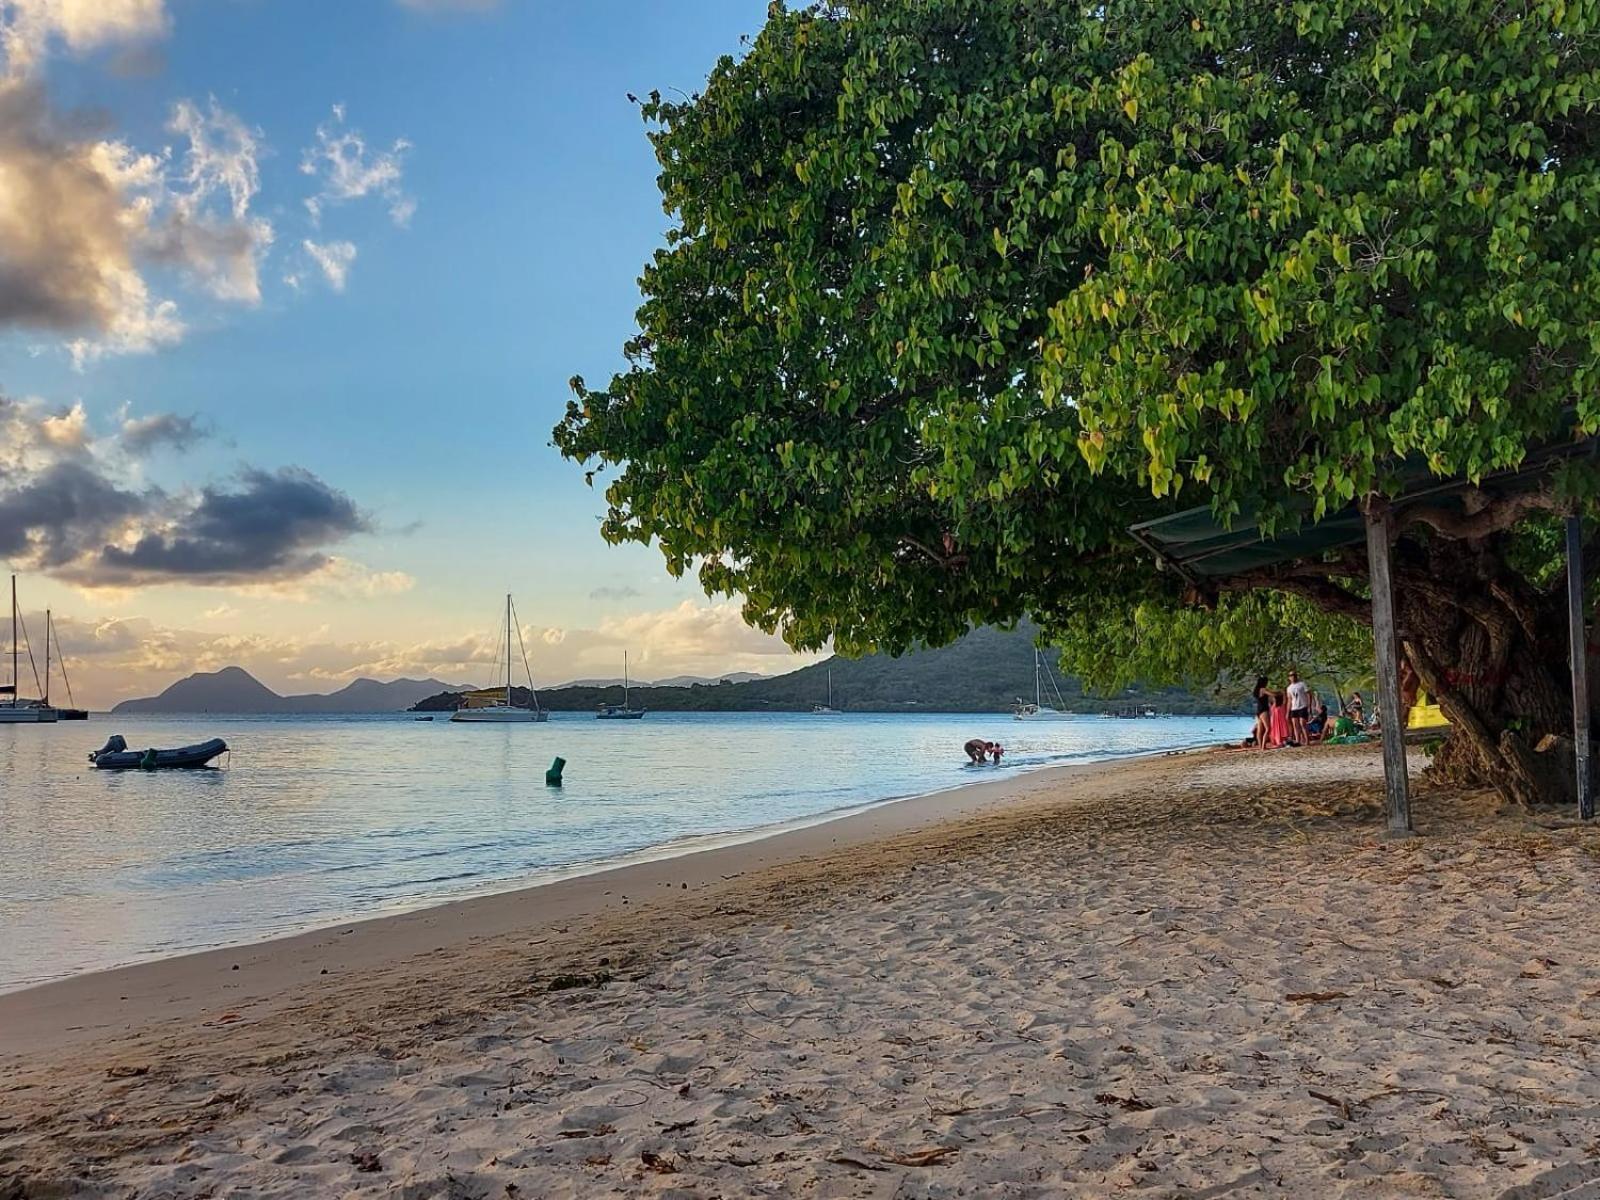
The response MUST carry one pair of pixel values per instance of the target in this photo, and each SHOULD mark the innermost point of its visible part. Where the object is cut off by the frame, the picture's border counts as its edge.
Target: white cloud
(29, 28)
(333, 259)
(112, 213)
(221, 251)
(347, 169)
(73, 210)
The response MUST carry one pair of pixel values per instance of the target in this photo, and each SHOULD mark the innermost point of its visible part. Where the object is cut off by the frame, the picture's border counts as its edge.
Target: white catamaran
(620, 712)
(1037, 711)
(493, 707)
(14, 711)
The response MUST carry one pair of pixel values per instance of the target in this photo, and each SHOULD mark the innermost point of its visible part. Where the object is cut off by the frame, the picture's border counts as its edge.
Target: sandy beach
(1193, 976)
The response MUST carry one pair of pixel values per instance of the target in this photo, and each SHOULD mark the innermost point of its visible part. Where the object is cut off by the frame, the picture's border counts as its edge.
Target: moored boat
(620, 712)
(485, 707)
(1038, 710)
(115, 755)
(826, 710)
(16, 711)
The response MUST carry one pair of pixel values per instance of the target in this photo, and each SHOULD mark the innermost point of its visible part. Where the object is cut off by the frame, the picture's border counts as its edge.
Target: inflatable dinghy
(115, 755)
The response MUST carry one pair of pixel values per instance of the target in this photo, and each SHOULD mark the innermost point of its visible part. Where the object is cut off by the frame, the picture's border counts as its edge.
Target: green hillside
(986, 671)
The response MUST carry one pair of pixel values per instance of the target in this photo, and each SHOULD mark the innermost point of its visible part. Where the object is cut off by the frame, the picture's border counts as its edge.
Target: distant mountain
(674, 681)
(986, 671)
(705, 680)
(235, 690)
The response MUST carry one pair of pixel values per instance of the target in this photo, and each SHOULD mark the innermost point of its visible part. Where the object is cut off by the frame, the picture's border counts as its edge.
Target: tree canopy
(959, 289)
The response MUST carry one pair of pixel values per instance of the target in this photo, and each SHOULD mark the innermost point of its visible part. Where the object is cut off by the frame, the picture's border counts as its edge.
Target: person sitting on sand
(1318, 724)
(1353, 709)
(976, 749)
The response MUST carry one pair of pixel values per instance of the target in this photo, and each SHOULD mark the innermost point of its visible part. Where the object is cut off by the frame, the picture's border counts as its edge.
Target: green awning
(1198, 546)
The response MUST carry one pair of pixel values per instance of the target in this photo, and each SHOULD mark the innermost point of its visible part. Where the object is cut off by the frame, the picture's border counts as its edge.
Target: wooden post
(1380, 532)
(1578, 640)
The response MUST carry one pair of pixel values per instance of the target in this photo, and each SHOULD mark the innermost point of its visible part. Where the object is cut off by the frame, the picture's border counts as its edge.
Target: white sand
(1194, 977)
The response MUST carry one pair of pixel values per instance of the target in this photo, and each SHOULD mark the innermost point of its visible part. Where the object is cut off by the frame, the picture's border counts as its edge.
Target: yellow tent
(1426, 715)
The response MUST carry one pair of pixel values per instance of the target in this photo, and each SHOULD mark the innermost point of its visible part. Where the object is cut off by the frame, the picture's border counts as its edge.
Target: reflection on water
(318, 819)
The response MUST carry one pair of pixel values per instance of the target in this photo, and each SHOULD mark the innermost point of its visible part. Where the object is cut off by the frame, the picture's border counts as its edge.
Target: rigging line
(62, 659)
(518, 620)
(1050, 675)
(33, 666)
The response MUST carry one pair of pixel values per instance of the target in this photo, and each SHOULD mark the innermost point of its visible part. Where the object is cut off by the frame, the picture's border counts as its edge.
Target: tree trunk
(1492, 651)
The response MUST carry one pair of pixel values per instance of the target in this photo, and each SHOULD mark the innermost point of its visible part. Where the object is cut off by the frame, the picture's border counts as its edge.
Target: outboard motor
(115, 744)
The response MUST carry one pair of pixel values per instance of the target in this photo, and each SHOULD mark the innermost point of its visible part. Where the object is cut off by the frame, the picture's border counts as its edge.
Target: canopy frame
(1203, 552)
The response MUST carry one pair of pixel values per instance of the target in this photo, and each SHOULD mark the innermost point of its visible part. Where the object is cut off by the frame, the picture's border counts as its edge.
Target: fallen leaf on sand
(1342, 1105)
(658, 1164)
(1315, 997)
(597, 1131)
(124, 1071)
(932, 1156)
(1129, 1103)
(366, 1161)
(844, 1160)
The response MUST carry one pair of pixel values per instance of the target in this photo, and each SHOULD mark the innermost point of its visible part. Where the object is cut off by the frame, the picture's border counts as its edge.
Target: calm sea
(315, 820)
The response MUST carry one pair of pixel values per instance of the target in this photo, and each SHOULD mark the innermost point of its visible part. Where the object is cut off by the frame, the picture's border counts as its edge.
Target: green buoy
(552, 777)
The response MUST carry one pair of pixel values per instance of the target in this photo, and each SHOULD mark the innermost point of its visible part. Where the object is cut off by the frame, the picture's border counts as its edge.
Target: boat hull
(1043, 714)
(628, 714)
(182, 758)
(499, 716)
(28, 716)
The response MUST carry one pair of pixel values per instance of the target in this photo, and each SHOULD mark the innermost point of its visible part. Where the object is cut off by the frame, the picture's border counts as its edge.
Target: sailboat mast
(1038, 692)
(624, 679)
(14, 684)
(508, 649)
(46, 696)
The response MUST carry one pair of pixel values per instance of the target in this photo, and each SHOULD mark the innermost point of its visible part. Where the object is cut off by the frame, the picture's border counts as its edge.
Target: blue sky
(496, 204)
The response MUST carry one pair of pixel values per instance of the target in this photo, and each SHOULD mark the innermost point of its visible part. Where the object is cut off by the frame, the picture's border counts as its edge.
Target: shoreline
(1191, 975)
(264, 974)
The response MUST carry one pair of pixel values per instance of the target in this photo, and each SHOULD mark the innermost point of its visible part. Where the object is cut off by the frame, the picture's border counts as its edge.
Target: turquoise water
(316, 820)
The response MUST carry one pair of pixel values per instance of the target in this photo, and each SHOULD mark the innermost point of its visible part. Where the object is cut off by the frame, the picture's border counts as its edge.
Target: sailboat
(483, 708)
(826, 710)
(15, 712)
(1037, 711)
(70, 713)
(620, 712)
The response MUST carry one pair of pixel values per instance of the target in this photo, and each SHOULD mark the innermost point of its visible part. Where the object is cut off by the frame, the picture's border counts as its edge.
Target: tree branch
(1494, 517)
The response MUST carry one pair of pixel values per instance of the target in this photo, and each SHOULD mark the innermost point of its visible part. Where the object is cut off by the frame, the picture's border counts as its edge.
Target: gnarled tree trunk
(1488, 646)
(1492, 651)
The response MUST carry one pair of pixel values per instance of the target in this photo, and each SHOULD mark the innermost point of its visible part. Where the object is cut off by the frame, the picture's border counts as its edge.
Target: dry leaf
(844, 1160)
(1315, 997)
(1130, 1103)
(658, 1164)
(932, 1156)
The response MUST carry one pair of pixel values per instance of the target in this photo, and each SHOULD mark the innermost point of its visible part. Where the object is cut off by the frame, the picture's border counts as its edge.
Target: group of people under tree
(1298, 716)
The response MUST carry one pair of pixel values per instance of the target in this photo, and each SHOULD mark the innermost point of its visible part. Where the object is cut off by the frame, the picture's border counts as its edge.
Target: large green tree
(958, 289)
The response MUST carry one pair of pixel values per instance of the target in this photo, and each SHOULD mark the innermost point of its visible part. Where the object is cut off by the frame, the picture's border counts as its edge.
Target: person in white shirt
(1299, 709)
